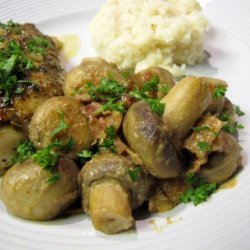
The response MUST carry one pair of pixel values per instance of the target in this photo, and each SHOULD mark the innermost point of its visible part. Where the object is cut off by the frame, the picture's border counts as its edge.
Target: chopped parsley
(219, 92)
(151, 85)
(199, 194)
(106, 89)
(70, 143)
(232, 128)
(13, 63)
(205, 127)
(126, 73)
(164, 89)
(85, 156)
(111, 105)
(200, 190)
(47, 157)
(109, 141)
(24, 150)
(134, 173)
(204, 146)
(238, 111)
(38, 45)
(53, 178)
(62, 126)
(155, 104)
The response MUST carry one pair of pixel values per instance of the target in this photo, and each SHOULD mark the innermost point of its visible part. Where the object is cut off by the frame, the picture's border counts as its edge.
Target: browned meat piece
(45, 79)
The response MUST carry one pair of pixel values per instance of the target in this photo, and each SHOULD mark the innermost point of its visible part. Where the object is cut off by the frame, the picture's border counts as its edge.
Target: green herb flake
(238, 111)
(126, 73)
(155, 104)
(85, 156)
(109, 141)
(106, 89)
(164, 89)
(219, 92)
(199, 194)
(112, 106)
(47, 157)
(204, 146)
(38, 45)
(24, 150)
(68, 146)
(200, 128)
(134, 173)
(232, 128)
(151, 85)
(61, 127)
(53, 178)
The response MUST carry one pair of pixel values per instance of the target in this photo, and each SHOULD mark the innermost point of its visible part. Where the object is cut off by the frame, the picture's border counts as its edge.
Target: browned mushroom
(146, 135)
(109, 192)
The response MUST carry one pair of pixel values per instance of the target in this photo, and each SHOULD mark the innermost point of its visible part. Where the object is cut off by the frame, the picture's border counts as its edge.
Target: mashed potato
(143, 33)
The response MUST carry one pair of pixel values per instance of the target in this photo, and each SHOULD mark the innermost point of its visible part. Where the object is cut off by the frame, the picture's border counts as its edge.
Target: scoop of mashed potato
(140, 34)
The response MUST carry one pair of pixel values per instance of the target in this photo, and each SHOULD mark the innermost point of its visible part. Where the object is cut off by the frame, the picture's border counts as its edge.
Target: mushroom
(61, 118)
(148, 137)
(90, 70)
(27, 193)
(9, 140)
(166, 80)
(222, 165)
(109, 193)
(184, 104)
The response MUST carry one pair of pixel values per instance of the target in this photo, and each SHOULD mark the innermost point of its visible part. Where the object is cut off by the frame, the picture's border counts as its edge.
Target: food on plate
(141, 126)
(10, 138)
(30, 73)
(109, 194)
(61, 118)
(140, 34)
(118, 140)
(27, 193)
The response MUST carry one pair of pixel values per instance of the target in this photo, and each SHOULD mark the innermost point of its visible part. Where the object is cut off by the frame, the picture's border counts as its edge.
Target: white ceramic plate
(221, 223)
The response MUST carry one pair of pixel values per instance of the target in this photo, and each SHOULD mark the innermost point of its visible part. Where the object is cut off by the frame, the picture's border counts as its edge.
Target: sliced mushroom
(105, 178)
(146, 135)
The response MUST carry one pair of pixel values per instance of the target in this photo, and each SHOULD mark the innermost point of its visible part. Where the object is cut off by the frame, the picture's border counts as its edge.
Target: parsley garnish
(151, 85)
(126, 73)
(47, 157)
(199, 194)
(155, 104)
(200, 128)
(13, 63)
(200, 191)
(109, 141)
(24, 150)
(70, 143)
(38, 45)
(111, 105)
(134, 173)
(62, 126)
(219, 91)
(238, 111)
(164, 89)
(232, 128)
(107, 88)
(85, 156)
(53, 178)
(204, 146)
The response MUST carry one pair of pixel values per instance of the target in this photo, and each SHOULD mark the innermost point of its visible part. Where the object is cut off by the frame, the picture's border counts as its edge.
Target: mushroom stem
(110, 206)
